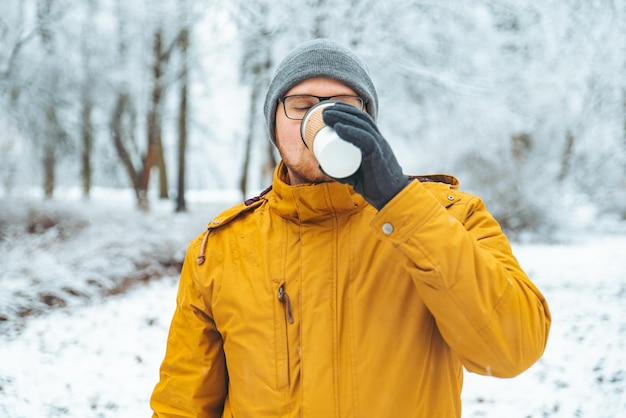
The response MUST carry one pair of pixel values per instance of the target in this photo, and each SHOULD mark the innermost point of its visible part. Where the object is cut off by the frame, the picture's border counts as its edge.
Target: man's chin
(320, 177)
(314, 176)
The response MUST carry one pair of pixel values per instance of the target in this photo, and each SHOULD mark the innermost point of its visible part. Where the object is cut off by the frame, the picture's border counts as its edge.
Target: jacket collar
(307, 202)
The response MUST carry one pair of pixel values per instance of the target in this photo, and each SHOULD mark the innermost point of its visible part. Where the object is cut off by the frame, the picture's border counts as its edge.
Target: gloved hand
(380, 176)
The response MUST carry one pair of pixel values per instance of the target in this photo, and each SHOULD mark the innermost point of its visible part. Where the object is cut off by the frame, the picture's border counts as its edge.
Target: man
(355, 297)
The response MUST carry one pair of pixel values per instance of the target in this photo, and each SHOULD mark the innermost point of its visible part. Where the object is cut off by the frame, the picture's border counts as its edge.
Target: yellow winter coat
(310, 303)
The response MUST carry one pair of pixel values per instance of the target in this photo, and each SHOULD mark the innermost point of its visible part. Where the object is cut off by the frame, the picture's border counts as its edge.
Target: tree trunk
(252, 115)
(270, 163)
(567, 156)
(118, 135)
(55, 137)
(181, 204)
(259, 73)
(51, 129)
(87, 136)
(522, 144)
(49, 162)
(162, 166)
(86, 117)
(153, 121)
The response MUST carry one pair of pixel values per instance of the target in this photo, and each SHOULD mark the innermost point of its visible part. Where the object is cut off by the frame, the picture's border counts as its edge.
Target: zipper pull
(283, 297)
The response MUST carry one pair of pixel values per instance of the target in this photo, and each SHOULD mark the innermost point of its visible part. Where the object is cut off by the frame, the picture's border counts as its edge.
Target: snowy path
(102, 360)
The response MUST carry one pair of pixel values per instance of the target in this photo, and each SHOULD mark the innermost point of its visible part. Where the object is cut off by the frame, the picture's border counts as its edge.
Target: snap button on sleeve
(387, 228)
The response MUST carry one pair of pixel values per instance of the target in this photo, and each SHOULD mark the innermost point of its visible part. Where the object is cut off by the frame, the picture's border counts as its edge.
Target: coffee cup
(338, 158)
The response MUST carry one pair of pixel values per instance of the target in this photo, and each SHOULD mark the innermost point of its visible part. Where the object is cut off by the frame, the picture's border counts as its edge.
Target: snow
(96, 353)
(93, 361)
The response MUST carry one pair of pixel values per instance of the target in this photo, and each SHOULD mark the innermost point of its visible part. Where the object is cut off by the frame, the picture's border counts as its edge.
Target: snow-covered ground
(89, 350)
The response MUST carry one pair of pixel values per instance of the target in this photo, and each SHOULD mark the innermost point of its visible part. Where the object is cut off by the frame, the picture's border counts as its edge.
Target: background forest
(524, 102)
(126, 125)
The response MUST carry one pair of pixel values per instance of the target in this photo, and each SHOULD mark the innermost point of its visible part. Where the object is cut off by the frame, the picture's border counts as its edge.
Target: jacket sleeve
(486, 308)
(193, 375)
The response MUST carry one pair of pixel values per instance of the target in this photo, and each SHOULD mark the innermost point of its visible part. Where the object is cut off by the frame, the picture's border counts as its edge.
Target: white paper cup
(337, 157)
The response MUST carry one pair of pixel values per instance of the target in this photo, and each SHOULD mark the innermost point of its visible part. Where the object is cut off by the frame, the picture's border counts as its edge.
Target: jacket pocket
(282, 314)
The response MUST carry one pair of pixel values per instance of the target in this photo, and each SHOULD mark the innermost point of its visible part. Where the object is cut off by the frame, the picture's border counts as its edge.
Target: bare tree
(154, 150)
(139, 164)
(86, 99)
(259, 72)
(123, 121)
(53, 133)
(256, 65)
(183, 45)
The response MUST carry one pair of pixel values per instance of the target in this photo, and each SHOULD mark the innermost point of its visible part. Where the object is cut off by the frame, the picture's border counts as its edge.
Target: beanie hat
(319, 58)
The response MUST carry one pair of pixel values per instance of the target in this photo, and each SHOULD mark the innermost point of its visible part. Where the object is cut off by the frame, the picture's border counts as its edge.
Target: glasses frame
(320, 99)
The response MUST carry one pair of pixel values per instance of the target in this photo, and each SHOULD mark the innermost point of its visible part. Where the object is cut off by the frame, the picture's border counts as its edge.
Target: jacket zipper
(282, 317)
(283, 297)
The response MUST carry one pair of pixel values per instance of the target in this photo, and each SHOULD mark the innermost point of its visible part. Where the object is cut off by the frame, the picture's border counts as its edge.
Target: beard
(305, 177)
(303, 168)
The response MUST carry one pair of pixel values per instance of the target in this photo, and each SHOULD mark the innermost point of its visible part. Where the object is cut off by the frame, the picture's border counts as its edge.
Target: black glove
(380, 176)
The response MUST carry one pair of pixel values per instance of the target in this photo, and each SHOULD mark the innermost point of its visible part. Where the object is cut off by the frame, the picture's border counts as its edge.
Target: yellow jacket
(310, 303)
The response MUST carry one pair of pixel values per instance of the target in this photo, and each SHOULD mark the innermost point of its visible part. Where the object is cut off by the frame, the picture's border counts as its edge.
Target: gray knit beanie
(319, 58)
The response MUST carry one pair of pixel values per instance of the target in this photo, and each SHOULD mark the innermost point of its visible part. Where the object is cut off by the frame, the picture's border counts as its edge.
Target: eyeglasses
(297, 105)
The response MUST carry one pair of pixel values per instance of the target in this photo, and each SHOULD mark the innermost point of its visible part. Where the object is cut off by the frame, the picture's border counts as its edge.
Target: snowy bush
(57, 254)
